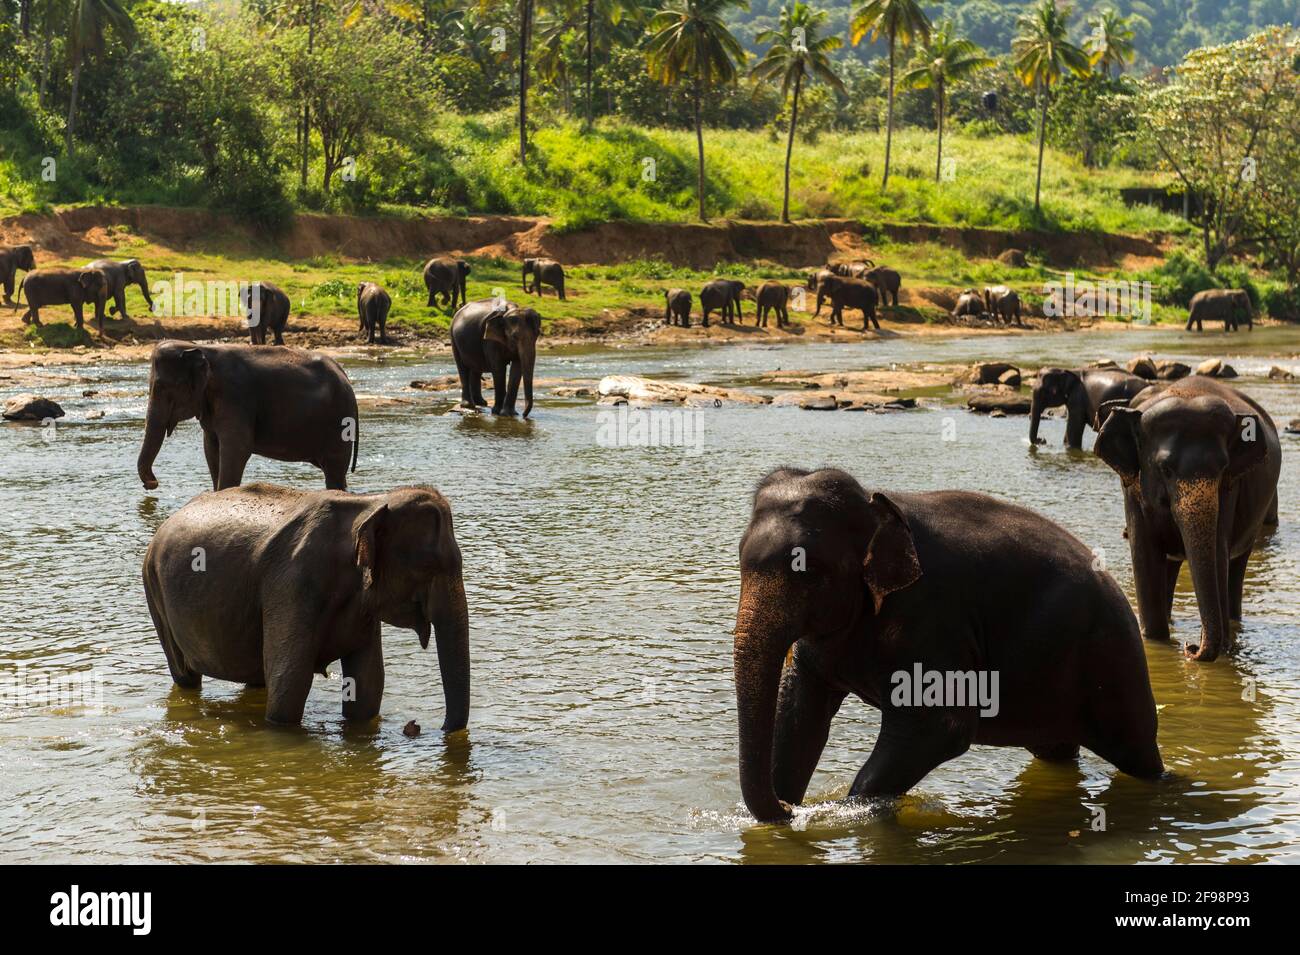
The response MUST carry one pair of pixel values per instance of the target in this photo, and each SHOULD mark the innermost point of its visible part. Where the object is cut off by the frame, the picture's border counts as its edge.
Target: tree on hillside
(1042, 54)
(91, 20)
(941, 60)
(902, 21)
(690, 42)
(796, 54)
(525, 38)
(1111, 42)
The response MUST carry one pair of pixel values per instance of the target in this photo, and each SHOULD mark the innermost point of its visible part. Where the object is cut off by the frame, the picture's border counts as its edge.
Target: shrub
(1282, 303)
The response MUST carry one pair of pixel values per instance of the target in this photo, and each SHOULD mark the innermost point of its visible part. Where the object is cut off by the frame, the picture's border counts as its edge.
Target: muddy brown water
(602, 585)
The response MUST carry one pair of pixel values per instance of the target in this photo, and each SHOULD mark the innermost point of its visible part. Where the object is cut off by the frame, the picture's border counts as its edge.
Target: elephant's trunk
(1036, 407)
(156, 426)
(1196, 512)
(144, 288)
(449, 615)
(764, 634)
(527, 360)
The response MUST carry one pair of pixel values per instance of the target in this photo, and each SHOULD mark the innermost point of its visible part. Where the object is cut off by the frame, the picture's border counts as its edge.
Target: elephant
(120, 275)
(854, 293)
(852, 270)
(544, 272)
(489, 335)
(820, 282)
(716, 296)
(845, 590)
(1089, 395)
(1003, 303)
(1227, 304)
(373, 304)
(292, 580)
(13, 258)
(733, 311)
(445, 277)
(773, 297)
(1199, 464)
(282, 403)
(267, 306)
(969, 303)
(677, 307)
(72, 287)
(887, 283)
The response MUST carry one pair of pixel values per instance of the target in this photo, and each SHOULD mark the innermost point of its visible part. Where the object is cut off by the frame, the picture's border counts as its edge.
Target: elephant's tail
(19, 300)
(356, 444)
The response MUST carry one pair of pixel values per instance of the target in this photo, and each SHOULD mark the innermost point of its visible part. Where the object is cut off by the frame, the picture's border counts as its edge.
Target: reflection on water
(602, 587)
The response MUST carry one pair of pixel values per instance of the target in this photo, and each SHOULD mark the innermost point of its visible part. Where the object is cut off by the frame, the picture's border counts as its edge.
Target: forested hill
(1164, 29)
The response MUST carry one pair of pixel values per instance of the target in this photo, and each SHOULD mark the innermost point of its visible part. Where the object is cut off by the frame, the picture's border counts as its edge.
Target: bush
(1178, 278)
(1282, 303)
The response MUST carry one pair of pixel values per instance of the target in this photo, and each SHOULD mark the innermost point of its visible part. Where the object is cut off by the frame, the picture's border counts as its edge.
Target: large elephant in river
(490, 335)
(73, 287)
(120, 275)
(293, 580)
(444, 277)
(13, 258)
(281, 403)
(847, 591)
(1199, 463)
(1229, 305)
(1088, 394)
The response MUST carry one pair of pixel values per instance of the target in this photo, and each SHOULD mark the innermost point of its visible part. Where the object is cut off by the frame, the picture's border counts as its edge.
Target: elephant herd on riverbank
(901, 599)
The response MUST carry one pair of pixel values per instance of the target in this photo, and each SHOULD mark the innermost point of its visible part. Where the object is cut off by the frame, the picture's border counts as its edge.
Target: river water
(602, 585)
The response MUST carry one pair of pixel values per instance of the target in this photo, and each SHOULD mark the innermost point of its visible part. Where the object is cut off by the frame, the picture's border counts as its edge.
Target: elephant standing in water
(1087, 393)
(120, 275)
(13, 258)
(281, 403)
(849, 591)
(1228, 305)
(489, 336)
(294, 580)
(1199, 462)
(73, 287)
(445, 277)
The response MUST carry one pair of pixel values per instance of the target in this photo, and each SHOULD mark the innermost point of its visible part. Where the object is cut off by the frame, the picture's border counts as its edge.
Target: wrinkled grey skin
(544, 272)
(853, 270)
(677, 307)
(1199, 464)
(282, 403)
(13, 258)
(120, 275)
(1089, 395)
(294, 580)
(853, 293)
(820, 282)
(491, 335)
(445, 277)
(73, 287)
(716, 296)
(737, 290)
(1228, 305)
(373, 304)
(971, 303)
(273, 315)
(773, 297)
(887, 283)
(1004, 303)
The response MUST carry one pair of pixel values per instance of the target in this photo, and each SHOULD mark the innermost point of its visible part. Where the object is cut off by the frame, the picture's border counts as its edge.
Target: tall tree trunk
(45, 58)
(25, 17)
(525, 12)
(889, 116)
(789, 146)
(1042, 131)
(699, 143)
(590, 11)
(938, 159)
(306, 109)
(71, 129)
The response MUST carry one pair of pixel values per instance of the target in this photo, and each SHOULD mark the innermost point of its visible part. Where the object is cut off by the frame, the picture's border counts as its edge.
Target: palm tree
(1041, 54)
(1111, 41)
(90, 21)
(525, 28)
(944, 59)
(690, 41)
(604, 16)
(902, 21)
(797, 53)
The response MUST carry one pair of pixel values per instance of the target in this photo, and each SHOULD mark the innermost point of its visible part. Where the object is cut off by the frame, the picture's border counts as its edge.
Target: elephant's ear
(1247, 447)
(1117, 444)
(365, 539)
(535, 322)
(494, 327)
(891, 562)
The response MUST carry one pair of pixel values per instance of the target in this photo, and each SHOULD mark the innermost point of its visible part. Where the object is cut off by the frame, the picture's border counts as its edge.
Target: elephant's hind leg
(182, 675)
(1236, 585)
(911, 743)
(363, 681)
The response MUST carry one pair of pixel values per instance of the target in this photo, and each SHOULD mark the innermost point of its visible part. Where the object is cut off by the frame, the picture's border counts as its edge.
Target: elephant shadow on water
(218, 783)
(476, 423)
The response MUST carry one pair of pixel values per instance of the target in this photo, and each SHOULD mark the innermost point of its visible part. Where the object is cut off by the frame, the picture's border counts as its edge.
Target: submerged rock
(630, 389)
(30, 408)
(1172, 370)
(1143, 366)
(1216, 368)
(1278, 373)
(1008, 402)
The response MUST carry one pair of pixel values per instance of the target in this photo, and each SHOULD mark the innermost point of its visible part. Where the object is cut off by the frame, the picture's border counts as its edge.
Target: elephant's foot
(506, 413)
(1056, 752)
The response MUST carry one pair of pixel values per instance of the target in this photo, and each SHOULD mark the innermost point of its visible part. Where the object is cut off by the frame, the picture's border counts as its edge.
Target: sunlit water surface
(602, 587)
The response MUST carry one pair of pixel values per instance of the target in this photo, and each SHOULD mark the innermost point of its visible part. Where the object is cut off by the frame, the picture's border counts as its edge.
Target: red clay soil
(86, 231)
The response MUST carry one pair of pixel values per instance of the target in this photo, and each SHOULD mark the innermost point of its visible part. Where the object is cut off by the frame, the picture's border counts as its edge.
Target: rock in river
(619, 389)
(1008, 402)
(31, 408)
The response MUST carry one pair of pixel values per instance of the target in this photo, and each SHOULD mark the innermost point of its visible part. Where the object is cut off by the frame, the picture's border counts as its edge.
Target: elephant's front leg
(234, 450)
(212, 453)
(288, 658)
(512, 388)
(805, 707)
(363, 680)
(911, 743)
(1150, 572)
(119, 304)
(499, 388)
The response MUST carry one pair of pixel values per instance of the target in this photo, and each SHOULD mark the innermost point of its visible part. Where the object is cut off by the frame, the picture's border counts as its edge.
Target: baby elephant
(13, 258)
(962, 618)
(373, 304)
(73, 287)
(266, 306)
(266, 585)
(677, 307)
(544, 272)
(773, 297)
